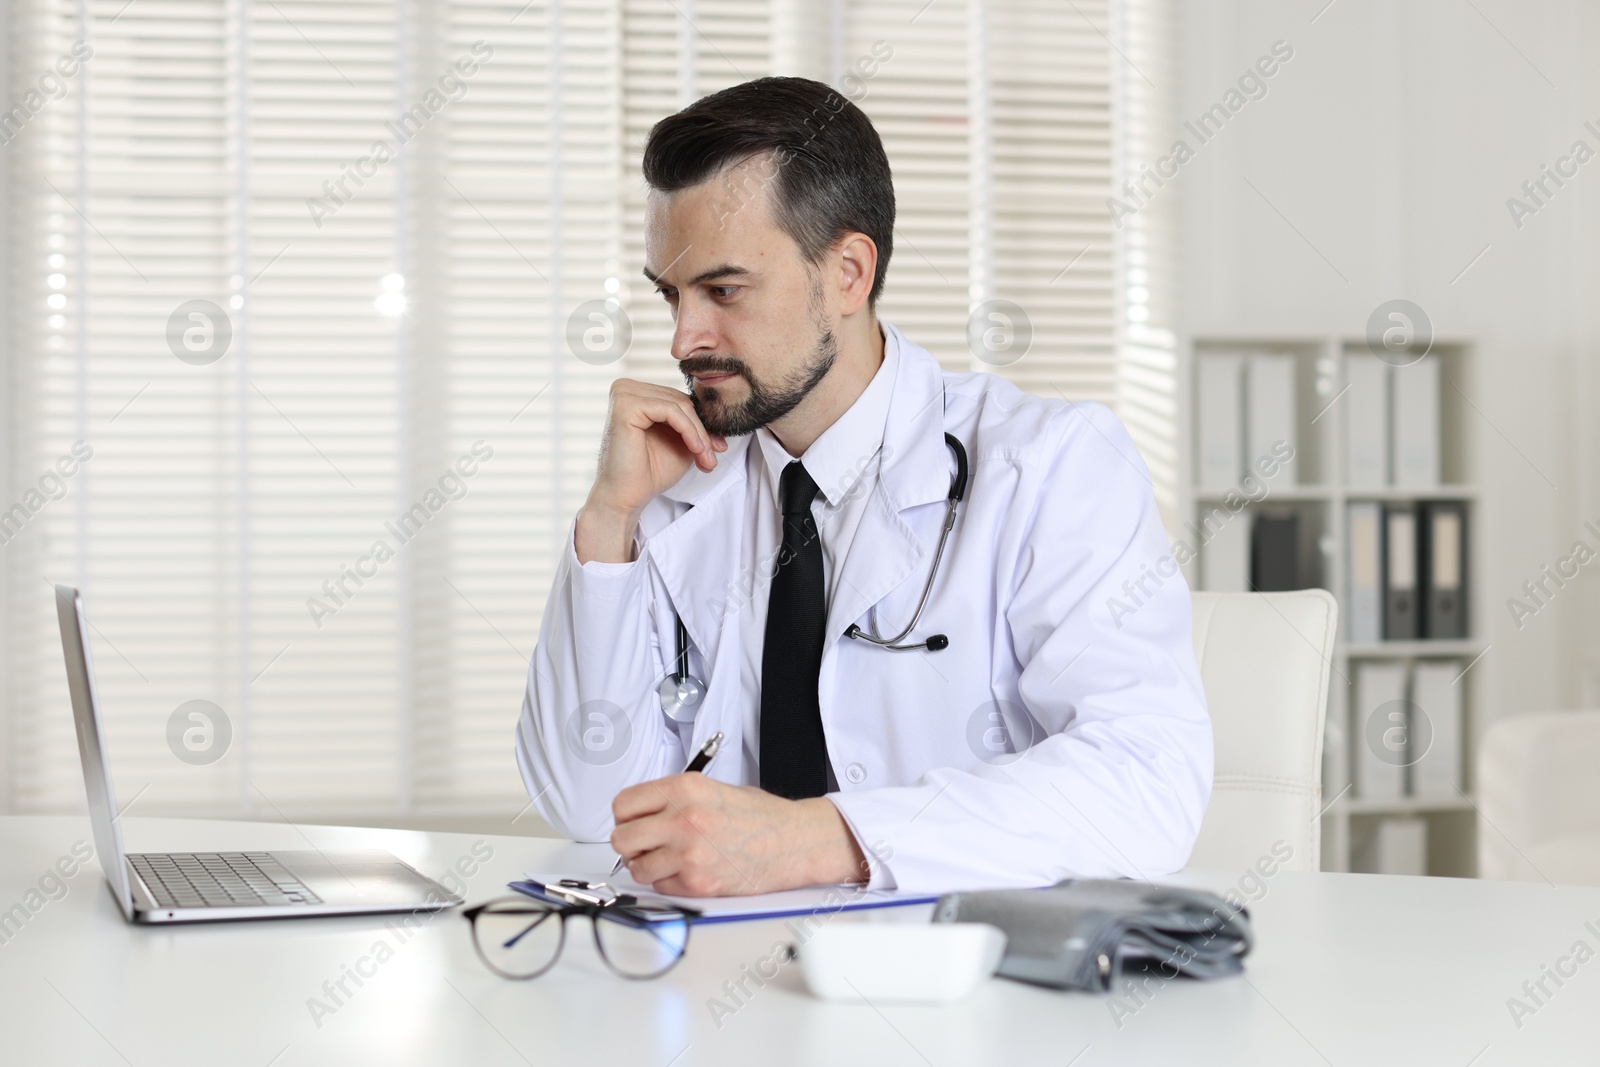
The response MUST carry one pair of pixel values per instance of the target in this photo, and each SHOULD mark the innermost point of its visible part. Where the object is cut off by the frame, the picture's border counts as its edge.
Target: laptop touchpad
(363, 877)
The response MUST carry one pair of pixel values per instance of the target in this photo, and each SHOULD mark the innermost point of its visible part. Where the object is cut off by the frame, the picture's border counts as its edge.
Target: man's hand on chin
(688, 835)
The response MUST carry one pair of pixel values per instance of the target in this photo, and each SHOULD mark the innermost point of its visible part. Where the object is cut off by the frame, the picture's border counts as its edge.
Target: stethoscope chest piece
(681, 692)
(681, 697)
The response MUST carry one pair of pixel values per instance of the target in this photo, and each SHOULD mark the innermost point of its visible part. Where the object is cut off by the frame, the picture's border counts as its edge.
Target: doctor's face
(753, 335)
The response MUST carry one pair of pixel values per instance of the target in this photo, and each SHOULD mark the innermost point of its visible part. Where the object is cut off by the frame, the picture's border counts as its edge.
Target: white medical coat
(1062, 733)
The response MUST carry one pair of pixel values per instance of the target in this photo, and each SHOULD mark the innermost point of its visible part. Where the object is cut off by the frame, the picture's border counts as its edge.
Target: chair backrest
(1264, 660)
(1540, 798)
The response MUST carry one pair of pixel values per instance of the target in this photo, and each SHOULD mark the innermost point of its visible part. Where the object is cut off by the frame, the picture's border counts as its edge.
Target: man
(798, 491)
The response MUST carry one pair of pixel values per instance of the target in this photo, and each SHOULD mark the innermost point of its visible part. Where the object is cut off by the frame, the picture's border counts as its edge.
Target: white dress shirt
(843, 462)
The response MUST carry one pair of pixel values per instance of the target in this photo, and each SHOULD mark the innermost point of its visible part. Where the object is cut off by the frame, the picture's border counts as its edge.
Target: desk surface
(1349, 969)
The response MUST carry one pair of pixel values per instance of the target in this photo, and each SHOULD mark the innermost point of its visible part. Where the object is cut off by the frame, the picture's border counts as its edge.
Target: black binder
(1442, 570)
(1400, 608)
(1274, 566)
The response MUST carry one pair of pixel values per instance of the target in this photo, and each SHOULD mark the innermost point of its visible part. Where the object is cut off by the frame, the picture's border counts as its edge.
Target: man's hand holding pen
(689, 835)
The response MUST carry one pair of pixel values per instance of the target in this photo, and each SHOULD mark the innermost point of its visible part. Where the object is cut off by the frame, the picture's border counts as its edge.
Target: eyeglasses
(521, 938)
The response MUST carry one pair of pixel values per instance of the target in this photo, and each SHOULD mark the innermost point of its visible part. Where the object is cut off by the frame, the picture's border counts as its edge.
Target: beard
(764, 404)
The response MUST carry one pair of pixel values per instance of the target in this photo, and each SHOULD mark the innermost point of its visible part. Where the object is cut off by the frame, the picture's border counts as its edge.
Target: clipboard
(787, 904)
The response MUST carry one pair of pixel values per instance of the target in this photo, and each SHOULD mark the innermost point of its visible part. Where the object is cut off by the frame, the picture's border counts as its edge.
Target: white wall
(1391, 141)
(7, 453)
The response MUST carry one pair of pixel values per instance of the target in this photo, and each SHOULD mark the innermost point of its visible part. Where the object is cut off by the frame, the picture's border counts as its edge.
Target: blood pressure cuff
(1087, 933)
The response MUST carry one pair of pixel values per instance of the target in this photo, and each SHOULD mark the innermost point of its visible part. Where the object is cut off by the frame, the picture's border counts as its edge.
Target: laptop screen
(91, 747)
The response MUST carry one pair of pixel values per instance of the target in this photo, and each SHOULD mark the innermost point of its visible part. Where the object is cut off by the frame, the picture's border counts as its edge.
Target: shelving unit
(1320, 497)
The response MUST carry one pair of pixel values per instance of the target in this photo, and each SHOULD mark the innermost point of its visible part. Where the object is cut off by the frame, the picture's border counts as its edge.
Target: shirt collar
(838, 458)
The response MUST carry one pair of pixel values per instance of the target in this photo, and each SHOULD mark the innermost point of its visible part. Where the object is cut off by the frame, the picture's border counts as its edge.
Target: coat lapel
(699, 553)
(914, 471)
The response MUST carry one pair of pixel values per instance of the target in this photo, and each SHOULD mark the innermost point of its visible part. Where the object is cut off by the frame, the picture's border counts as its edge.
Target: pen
(702, 759)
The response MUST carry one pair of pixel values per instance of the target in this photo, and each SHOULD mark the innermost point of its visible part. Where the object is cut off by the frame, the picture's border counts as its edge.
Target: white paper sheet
(811, 900)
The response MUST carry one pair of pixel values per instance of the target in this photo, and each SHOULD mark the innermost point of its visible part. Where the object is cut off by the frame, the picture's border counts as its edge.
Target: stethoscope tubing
(958, 492)
(686, 692)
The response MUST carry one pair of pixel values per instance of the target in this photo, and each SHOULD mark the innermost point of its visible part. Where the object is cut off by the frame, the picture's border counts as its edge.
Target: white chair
(1539, 795)
(1265, 659)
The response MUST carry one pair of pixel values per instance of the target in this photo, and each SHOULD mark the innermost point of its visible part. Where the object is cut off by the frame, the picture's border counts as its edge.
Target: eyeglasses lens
(644, 945)
(518, 939)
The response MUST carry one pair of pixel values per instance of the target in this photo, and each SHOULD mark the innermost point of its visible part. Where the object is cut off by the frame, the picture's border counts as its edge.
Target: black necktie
(794, 753)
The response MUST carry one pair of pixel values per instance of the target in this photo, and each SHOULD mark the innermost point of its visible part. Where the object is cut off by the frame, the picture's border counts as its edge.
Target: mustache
(690, 368)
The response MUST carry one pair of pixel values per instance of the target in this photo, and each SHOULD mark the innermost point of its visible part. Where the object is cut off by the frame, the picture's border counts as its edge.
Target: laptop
(177, 887)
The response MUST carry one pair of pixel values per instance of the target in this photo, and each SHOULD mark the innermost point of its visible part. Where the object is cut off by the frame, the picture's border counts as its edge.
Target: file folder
(1274, 548)
(1364, 576)
(1225, 558)
(1366, 422)
(1392, 846)
(1444, 614)
(1400, 573)
(1219, 419)
(1270, 412)
(1378, 732)
(1416, 424)
(1435, 693)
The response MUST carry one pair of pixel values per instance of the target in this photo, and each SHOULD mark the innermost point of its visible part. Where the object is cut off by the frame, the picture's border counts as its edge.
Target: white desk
(1349, 969)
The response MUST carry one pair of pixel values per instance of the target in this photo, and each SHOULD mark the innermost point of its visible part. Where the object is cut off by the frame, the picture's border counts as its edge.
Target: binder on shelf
(1399, 572)
(1415, 431)
(1443, 600)
(1392, 846)
(1363, 574)
(1366, 421)
(1270, 412)
(1274, 544)
(1219, 419)
(1225, 556)
(1436, 772)
(1378, 731)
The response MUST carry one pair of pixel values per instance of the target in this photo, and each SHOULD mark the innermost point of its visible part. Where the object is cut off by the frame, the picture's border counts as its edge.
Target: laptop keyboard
(219, 880)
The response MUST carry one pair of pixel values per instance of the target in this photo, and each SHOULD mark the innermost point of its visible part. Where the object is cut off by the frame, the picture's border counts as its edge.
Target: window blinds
(1148, 399)
(300, 275)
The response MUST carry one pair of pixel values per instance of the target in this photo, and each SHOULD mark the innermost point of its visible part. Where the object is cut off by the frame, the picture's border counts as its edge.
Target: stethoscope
(682, 693)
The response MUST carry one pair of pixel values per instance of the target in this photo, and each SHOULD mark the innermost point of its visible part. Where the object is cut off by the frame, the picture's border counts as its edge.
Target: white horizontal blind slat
(732, 45)
(158, 525)
(406, 693)
(1147, 365)
(919, 101)
(486, 593)
(1053, 165)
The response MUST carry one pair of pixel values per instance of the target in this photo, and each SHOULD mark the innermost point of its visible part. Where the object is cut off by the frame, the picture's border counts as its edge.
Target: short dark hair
(832, 176)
